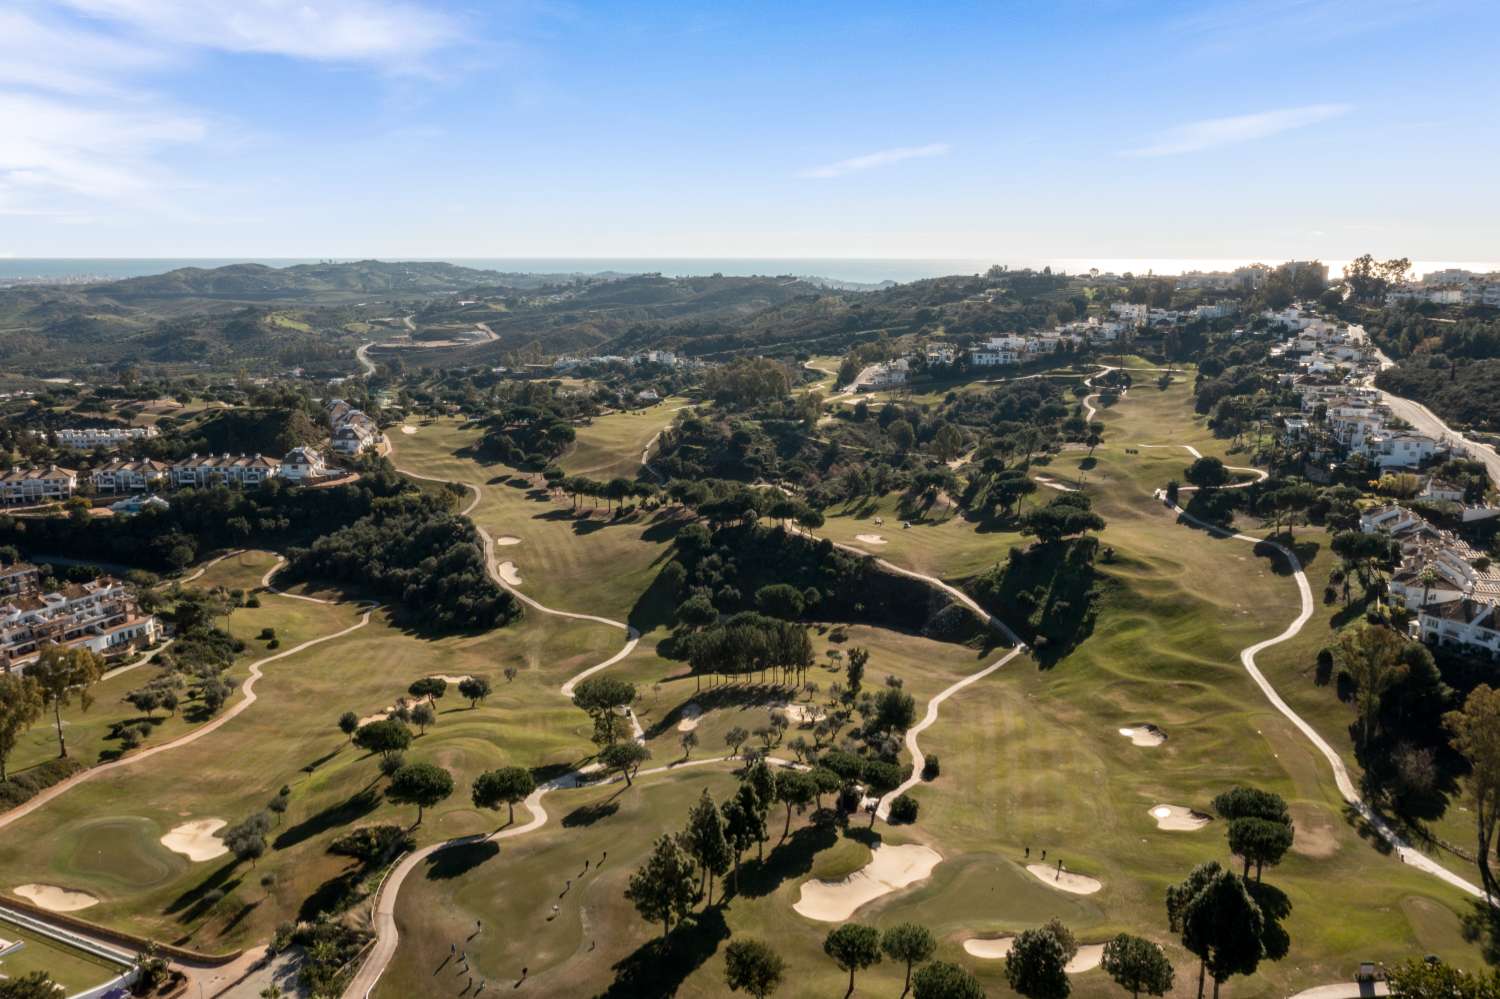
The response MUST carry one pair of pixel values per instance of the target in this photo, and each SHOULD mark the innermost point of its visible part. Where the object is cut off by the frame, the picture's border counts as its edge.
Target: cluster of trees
(747, 382)
(58, 678)
(528, 423)
(1461, 390)
(1048, 593)
(204, 520)
(747, 642)
(747, 567)
(411, 548)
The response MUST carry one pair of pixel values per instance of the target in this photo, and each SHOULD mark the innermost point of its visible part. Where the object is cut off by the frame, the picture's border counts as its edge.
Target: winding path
(248, 698)
(1408, 854)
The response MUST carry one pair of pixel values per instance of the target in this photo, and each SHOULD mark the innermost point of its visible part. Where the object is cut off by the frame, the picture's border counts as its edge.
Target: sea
(852, 269)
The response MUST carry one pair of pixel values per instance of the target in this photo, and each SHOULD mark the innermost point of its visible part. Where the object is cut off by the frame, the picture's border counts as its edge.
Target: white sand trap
(890, 868)
(870, 539)
(801, 714)
(1088, 957)
(1078, 884)
(55, 899)
(1145, 735)
(507, 540)
(451, 679)
(689, 717)
(509, 573)
(196, 840)
(1175, 818)
(408, 429)
(989, 950)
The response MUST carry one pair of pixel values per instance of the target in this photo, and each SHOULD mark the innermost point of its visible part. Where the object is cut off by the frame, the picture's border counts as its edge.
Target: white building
(85, 438)
(1134, 312)
(101, 615)
(1473, 624)
(888, 375)
(303, 463)
(1402, 450)
(28, 486)
(129, 475)
(225, 469)
(135, 504)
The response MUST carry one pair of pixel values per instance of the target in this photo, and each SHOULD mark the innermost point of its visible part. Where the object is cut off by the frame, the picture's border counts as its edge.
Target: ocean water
(868, 271)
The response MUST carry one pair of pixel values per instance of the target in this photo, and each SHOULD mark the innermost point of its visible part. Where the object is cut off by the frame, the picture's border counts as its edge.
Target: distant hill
(259, 283)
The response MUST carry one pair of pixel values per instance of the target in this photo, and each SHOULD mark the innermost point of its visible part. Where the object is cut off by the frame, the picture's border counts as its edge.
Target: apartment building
(302, 464)
(225, 469)
(101, 615)
(30, 486)
(87, 438)
(130, 475)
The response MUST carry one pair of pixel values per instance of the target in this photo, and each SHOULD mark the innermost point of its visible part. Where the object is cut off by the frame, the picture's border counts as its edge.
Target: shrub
(274, 643)
(267, 633)
(27, 784)
(931, 768)
(904, 809)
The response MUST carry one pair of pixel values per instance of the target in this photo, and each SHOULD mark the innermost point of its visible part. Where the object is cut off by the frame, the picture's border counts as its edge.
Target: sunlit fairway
(1030, 757)
(611, 445)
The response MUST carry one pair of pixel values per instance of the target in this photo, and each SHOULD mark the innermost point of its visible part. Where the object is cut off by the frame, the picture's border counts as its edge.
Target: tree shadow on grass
(456, 861)
(550, 772)
(315, 764)
(207, 893)
(238, 917)
(357, 806)
(657, 969)
(787, 861)
(587, 815)
(333, 895)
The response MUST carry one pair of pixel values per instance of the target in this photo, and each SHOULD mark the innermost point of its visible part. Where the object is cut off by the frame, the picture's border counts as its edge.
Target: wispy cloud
(83, 120)
(1250, 24)
(1210, 133)
(870, 161)
(390, 33)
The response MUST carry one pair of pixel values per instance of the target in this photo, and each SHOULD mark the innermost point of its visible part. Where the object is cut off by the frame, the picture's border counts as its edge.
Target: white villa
(302, 463)
(85, 438)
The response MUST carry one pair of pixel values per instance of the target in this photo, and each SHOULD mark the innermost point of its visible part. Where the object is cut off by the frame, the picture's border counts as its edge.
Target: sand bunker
(509, 574)
(870, 539)
(450, 678)
(689, 717)
(408, 429)
(890, 868)
(1067, 881)
(196, 840)
(1144, 735)
(382, 716)
(55, 899)
(801, 714)
(1088, 957)
(1178, 819)
(507, 540)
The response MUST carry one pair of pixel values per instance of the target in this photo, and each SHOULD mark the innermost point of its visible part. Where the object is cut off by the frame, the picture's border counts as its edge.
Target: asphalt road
(1428, 422)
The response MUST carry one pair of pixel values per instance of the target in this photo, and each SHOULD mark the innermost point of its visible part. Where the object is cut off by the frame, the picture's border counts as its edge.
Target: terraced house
(101, 615)
(129, 475)
(227, 469)
(27, 486)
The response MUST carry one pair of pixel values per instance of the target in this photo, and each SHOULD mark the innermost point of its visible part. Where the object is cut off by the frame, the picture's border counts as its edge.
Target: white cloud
(870, 161)
(1212, 132)
(392, 33)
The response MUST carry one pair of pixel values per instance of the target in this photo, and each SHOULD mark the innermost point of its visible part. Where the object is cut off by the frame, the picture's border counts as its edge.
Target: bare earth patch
(870, 539)
(1064, 880)
(1175, 818)
(801, 714)
(196, 840)
(1313, 834)
(689, 717)
(408, 429)
(507, 540)
(890, 868)
(509, 573)
(1144, 735)
(55, 899)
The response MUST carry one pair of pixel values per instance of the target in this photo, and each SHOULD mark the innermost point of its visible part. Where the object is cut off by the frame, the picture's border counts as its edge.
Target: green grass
(1030, 758)
(611, 445)
(584, 560)
(74, 970)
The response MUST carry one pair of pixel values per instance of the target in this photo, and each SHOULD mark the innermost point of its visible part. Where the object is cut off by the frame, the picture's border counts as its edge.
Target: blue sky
(1009, 131)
